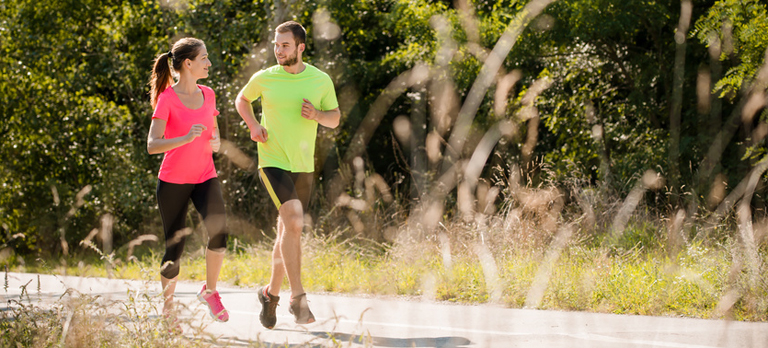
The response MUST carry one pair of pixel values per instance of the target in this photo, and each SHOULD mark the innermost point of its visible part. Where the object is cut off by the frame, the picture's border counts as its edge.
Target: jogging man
(295, 98)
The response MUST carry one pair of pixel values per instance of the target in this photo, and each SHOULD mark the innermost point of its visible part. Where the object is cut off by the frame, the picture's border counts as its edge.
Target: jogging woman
(184, 128)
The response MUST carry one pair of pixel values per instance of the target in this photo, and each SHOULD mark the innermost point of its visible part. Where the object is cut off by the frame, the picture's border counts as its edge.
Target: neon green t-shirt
(291, 138)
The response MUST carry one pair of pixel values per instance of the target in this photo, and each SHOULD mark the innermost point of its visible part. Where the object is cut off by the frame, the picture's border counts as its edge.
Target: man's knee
(292, 216)
(295, 224)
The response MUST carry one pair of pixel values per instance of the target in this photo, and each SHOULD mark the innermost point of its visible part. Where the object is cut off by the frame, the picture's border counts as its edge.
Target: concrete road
(386, 322)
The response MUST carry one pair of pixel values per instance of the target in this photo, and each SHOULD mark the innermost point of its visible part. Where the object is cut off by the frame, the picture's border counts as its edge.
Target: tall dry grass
(465, 236)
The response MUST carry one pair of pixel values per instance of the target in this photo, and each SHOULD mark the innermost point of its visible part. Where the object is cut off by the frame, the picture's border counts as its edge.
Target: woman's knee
(215, 223)
(170, 262)
(218, 242)
(170, 269)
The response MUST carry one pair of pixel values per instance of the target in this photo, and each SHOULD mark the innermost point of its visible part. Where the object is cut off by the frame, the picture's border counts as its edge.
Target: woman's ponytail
(161, 77)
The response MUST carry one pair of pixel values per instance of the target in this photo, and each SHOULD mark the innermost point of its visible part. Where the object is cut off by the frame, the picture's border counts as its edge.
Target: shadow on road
(438, 342)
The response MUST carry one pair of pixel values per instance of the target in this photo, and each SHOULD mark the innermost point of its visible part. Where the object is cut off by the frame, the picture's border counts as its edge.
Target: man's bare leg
(268, 295)
(278, 268)
(292, 216)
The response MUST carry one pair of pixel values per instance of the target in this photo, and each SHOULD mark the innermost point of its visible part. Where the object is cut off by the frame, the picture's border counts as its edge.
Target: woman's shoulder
(207, 90)
(166, 93)
(166, 96)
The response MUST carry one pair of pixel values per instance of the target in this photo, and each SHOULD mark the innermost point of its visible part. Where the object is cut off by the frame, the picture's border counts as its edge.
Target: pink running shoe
(171, 323)
(213, 301)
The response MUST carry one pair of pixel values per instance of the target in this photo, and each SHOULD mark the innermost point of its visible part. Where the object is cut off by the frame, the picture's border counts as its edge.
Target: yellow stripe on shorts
(268, 184)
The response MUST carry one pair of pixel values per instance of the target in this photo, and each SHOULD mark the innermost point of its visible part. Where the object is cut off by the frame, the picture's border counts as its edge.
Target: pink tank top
(190, 163)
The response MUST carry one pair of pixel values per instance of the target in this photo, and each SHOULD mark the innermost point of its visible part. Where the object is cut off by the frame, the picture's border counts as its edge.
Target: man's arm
(328, 118)
(243, 106)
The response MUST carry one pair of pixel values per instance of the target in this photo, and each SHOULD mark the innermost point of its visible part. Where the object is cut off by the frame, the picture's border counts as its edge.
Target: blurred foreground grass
(700, 280)
(640, 273)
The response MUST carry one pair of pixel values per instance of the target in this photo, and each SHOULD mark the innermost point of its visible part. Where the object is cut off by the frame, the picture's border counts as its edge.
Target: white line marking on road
(610, 339)
(584, 336)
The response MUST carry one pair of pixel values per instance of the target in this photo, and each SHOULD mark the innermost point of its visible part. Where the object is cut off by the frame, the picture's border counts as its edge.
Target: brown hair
(186, 48)
(299, 34)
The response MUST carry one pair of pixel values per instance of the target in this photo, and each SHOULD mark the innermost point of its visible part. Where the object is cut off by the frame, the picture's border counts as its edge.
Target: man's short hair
(299, 34)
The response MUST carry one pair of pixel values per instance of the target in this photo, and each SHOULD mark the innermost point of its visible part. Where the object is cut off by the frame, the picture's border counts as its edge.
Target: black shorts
(284, 186)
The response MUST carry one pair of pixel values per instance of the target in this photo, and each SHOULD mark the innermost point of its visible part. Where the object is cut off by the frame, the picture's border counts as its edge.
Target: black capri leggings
(173, 201)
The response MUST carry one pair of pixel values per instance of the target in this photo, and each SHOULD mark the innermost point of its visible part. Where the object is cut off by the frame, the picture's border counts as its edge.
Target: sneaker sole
(309, 321)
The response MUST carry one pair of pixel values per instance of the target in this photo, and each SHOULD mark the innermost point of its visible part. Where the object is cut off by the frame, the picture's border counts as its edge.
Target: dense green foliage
(75, 108)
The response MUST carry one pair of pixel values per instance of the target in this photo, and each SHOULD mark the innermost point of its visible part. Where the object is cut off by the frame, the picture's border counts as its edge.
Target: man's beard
(291, 60)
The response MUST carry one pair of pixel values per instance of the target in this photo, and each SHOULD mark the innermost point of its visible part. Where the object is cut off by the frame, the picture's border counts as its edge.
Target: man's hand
(308, 110)
(259, 133)
(327, 118)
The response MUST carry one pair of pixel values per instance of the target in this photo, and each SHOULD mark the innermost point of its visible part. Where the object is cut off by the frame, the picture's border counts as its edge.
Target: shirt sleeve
(329, 101)
(162, 109)
(252, 89)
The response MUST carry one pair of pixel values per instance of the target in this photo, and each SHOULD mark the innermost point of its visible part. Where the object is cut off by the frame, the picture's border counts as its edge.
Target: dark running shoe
(300, 309)
(268, 317)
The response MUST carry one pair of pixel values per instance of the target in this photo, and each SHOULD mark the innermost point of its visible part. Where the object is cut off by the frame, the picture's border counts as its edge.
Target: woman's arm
(215, 136)
(156, 143)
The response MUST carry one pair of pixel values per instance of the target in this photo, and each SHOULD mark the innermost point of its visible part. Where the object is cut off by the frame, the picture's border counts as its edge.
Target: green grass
(513, 262)
(81, 320)
(689, 283)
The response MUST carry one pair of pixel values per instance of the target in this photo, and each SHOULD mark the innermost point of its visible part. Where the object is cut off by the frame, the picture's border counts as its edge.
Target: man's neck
(296, 68)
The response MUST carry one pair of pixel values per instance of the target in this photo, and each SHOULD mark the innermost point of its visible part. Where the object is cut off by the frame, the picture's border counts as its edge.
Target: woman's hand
(195, 131)
(215, 142)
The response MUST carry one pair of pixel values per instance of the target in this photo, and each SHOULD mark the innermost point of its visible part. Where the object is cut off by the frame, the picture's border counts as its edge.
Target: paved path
(378, 322)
